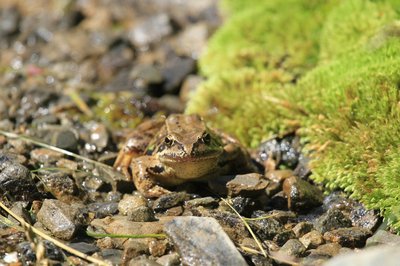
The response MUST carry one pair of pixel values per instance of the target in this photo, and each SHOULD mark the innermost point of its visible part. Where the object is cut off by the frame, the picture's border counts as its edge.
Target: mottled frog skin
(170, 151)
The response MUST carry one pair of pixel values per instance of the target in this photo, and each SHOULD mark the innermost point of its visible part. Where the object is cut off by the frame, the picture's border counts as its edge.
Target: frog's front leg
(148, 174)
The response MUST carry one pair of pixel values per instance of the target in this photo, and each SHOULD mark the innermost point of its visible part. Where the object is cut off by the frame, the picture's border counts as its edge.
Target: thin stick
(53, 240)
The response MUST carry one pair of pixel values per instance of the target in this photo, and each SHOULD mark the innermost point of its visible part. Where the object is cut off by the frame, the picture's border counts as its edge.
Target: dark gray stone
(84, 247)
(65, 139)
(15, 179)
(301, 194)
(247, 185)
(201, 241)
(331, 220)
(293, 247)
(302, 228)
(169, 200)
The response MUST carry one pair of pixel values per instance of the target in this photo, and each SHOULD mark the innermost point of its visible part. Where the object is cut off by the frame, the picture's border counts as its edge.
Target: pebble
(293, 247)
(175, 70)
(15, 179)
(247, 185)
(98, 135)
(170, 200)
(312, 239)
(206, 201)
(171, 259)
(383, 237)
(382, 255)
(192, 40)
(128, 203)
(189, 86)
(65, 139)
(361, 217)
(282, 237)
(84, 247)
(267, 228)
(258, 260)
(150, 30)
(302, 228)
(60, 185)
(59, 218)
(301, 194)
(201, 240)
(352, 237)
(45, 156)
(332, 219)
(244, 206)
(51, 251)
(103, 209)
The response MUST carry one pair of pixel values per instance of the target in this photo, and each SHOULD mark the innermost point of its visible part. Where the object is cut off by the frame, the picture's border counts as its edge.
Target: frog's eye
(206, 138)
(168, 141)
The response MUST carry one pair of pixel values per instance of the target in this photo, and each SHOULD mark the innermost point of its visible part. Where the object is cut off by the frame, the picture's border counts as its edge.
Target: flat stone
(201, 240)
(301, 194)
(383, 237)
(312, 239)
(382, 255)
(171, 259)
(332, 219)
(103, 209)
(45, 156)
(247, 185)
(59, 218)
(206, 201)
(352, 237)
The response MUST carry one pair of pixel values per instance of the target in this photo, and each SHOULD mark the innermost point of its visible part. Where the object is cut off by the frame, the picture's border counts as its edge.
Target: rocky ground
(78, 75)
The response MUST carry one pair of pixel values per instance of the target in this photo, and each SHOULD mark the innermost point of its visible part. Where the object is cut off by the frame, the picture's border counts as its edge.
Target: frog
(168, 151)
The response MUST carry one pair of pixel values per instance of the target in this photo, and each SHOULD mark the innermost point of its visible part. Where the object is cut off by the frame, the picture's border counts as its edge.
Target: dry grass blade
(50, 147)
(101, 235)
(53, 240)
(77, 99)
(248, 228)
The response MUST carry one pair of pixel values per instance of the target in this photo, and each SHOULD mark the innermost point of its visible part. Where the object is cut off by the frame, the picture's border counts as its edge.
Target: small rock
(59, 218)
(218, 184)
(312, 239)
(273, 188)
(301, 194)
(15, 179)
(142, 261)
(189, 86)
(147, 77)
(352, 237)
(293, 247)
(175, 70)
(60, 185)
(282, 151)
(142, 214)
(150, 30)
(158, 248)
(171, 103)
(9, 21)
(267, 228)
(103, 209)
(258, 260)
(282, 237)
(112, 255)
(247, 185)
(192, 40)
(51, 251)
(326, 250)
(302, 169)
(45, 156)
(98, 135)
(331, 220)
(361, 217)
(167, 201)
(243, 206)
(171, 259)
(383, 237)
(130, 203)
(302, 228)
(65, 139)
(201, 240)
(382, 255)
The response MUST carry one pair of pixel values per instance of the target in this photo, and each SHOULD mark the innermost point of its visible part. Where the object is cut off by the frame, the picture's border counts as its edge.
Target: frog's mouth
(174, 158)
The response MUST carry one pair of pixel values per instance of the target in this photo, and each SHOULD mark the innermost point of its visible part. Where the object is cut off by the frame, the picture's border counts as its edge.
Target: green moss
(267, 35)
(272, 70)
(240, 101)
(351, 24)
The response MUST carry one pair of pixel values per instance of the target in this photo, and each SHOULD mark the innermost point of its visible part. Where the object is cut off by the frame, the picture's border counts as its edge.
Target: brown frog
(180, 148)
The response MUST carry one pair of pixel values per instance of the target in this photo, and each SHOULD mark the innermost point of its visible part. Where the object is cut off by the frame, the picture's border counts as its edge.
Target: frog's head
(188, 139)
